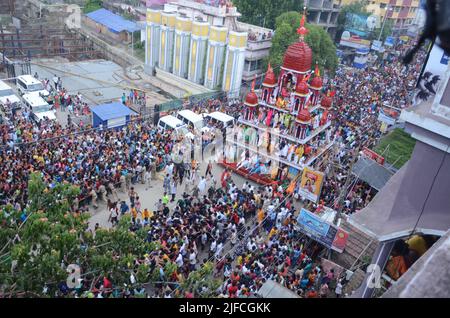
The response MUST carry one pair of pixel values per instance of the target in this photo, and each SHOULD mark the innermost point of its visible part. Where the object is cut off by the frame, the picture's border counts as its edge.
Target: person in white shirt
(212, 248)
(219, 249)
(179, 261)
(192, 260)
(55, 81)
(338, 290)
(202, 186)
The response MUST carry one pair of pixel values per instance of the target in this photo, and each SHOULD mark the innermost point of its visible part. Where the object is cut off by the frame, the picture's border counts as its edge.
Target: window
(397, 9)
(36, 87)
(255, 65)
(21, 84)
(382, 5)
(41, 108)
(247, 65)
(6, 92)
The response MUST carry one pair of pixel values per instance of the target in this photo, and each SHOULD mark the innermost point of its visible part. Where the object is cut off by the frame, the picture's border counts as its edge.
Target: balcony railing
(273, 132)
(259, 44)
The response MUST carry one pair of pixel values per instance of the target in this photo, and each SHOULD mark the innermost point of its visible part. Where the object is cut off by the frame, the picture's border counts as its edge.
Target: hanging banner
(311, 184)
(321, 231)
(390, 41)
(373, 155)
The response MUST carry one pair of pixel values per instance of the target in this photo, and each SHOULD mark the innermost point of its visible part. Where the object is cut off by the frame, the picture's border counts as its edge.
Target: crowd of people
(220, 103)
(96, 160)
(361, 95)
(248, 233)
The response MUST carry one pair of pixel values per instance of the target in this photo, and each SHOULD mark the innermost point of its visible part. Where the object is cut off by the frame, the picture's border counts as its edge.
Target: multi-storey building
(402, 13)
(204, 44)
(324, 13)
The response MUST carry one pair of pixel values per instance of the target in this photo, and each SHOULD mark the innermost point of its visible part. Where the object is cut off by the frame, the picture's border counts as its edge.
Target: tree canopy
(324, 51)
(265, 12)
(43, 244)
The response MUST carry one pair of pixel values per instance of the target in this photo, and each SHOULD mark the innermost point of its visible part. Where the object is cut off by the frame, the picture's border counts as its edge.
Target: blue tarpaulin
(115, 23)
(111, 115)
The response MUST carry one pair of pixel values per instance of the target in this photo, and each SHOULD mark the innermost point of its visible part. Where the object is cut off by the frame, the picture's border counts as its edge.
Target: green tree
(387, 31)
(36, 252)
(324, 51)
(264, 12)
(92, 5)
(358, 7)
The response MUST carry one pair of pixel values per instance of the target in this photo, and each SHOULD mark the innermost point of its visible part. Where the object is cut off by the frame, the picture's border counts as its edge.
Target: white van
(28, 84)
(173, 123)
(39, 107)
(7, 94)
(220, 120)
(191, 119)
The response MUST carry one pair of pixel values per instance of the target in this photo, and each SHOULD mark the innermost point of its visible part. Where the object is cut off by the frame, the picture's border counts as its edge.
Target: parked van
(28, 84)
(219, 120)
(173, 123)
(191, 119)
(40, 109)
(7, 96)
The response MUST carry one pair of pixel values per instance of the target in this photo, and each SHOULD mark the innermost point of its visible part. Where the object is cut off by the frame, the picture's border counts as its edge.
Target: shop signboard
(321, 231)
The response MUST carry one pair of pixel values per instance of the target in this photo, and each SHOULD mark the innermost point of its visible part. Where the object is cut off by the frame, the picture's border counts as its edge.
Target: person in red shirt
(232, 290)
(312, 294)
(235, 277)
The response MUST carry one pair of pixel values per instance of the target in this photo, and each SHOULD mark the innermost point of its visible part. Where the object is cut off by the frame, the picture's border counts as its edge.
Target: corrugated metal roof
(371, 172)
(112, 110)
(112, 21)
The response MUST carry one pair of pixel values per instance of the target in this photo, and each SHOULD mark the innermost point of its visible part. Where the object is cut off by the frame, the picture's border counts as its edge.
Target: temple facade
(285, 127)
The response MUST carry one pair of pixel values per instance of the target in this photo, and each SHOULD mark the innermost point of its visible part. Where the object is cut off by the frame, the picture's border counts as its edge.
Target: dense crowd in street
(248, 233)
(361, 95)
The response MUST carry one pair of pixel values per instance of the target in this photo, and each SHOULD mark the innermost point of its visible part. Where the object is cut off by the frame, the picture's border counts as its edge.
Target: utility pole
(132, 44)
(388, 8)
(343, 193)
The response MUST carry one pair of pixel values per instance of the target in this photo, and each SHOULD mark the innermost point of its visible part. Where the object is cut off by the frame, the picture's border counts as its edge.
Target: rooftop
(112, 21)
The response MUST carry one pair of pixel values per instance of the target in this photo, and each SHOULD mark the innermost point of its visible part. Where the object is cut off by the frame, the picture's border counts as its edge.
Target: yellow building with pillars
(211, 56)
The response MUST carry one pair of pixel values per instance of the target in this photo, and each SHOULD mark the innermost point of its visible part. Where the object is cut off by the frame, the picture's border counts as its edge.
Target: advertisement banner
(373, 155)
(432, 76)
(353, 40)
(390, 41)
(377, 45)
(321, 231)
(340, 240)
(311, 184)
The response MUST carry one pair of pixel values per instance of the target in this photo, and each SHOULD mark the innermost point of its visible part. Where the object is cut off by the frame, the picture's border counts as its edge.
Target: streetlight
(388, 8)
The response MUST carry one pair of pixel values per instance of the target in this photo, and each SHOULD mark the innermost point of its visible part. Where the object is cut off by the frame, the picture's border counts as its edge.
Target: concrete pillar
(167, 41)
(199, 45)
(152, 42)
(234, 63)
(183, 27)
(215, 56)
